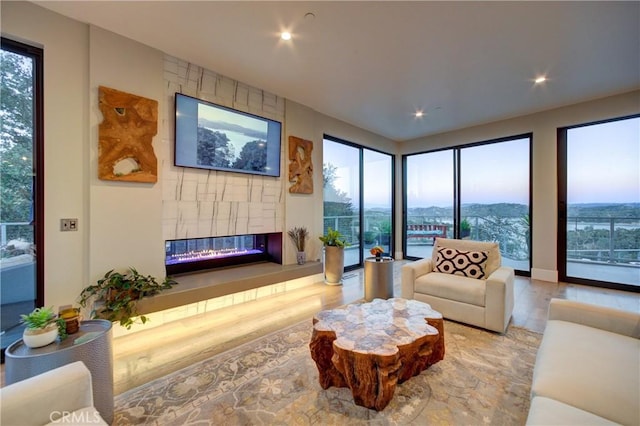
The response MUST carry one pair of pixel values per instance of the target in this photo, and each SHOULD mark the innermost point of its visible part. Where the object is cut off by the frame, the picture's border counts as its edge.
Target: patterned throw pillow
(466, 263)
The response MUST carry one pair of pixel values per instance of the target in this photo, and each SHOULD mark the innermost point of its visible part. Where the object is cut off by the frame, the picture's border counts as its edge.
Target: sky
(604, 162)
(603, 167)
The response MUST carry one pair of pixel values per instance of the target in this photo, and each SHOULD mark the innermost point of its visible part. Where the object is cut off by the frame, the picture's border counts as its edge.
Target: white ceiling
(373, 64)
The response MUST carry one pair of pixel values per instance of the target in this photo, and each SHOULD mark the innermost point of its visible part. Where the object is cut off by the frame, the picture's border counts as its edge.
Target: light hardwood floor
(146, 355)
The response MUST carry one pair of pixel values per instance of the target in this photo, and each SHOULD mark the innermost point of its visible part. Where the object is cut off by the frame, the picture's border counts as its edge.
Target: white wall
(124, 217)
(544, 127)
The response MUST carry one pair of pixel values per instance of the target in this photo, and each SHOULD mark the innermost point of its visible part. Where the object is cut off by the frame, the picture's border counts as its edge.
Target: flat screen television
(213, 137)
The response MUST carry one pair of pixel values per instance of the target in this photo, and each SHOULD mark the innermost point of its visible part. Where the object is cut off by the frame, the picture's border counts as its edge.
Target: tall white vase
(333, 265)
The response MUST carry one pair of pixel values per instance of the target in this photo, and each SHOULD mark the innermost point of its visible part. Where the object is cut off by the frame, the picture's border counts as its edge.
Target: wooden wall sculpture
(125, 134)
(300, 166)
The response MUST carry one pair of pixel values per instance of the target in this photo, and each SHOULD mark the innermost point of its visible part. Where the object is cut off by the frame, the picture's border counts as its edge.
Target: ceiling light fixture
(419, 114)
(285, 35)
(540, 80)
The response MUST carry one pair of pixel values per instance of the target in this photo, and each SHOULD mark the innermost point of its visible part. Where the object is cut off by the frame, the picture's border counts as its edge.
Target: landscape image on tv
(211, 136)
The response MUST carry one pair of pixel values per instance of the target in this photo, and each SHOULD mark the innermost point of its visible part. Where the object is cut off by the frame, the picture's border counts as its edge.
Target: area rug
(484, 378)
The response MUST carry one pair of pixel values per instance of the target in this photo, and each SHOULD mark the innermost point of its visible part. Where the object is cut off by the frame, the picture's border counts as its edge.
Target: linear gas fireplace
(196, 254)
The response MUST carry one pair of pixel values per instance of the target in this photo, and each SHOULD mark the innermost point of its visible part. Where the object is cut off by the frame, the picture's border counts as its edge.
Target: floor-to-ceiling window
(599, 203)
(429, 200)
(358, 197)
(21, 180)
(480, 191)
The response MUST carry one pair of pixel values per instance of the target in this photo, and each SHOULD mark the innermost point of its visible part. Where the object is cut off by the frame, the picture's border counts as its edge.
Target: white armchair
(60, 396)
(484, 297)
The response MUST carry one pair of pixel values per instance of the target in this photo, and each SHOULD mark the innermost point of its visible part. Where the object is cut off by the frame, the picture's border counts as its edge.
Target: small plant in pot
(299, 237)
(114, 296)
(334, 244)
(42, 327)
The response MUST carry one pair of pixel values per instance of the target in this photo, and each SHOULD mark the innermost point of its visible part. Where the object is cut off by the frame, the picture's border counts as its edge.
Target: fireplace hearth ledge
(205, 285)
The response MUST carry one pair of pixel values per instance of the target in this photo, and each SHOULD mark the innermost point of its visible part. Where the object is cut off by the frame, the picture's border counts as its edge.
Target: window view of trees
(17, 185)
(16, 149)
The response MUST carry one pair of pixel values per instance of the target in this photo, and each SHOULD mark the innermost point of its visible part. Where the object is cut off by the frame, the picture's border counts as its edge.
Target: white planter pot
(333, 265)
(36, 338)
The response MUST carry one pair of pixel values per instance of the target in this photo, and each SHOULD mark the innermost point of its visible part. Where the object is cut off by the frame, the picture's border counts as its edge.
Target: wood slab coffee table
(370, 347)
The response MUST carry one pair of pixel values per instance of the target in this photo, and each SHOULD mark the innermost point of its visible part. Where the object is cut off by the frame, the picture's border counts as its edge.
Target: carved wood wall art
(126, 132)
(300, 166)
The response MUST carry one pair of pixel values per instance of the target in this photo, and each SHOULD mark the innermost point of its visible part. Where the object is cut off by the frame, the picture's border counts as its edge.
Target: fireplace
(196, 254)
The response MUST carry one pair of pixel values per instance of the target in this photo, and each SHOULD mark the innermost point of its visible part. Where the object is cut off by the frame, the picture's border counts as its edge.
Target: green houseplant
(42, 327)
(334, 244)
(299, 237)
(114, 296)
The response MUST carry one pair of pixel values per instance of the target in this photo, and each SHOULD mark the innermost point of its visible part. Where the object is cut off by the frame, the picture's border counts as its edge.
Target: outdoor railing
(12, 230)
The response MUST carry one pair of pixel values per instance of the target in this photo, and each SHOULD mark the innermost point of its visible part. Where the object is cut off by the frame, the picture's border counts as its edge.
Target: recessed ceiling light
(540, 80)
(285, 35)
(419, 114)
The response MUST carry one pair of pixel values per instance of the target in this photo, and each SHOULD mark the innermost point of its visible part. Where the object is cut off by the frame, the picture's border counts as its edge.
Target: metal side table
(378, 278)
(93, 348)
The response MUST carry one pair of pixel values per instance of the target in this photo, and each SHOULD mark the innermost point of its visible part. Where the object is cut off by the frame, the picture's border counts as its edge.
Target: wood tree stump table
(370, 347)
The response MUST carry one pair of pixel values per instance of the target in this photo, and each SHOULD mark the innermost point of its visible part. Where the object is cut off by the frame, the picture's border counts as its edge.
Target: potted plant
(43, 327)
(299, 237)
(114, 296)
(334, 244)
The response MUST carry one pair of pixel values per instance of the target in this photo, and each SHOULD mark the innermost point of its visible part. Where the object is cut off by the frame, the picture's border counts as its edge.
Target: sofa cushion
(546, 411)
(452, 287)
(461, 262)
(591, 369)
(493, 249)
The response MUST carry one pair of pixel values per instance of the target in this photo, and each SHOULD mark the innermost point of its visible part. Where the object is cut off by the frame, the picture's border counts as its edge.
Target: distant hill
(619, 210)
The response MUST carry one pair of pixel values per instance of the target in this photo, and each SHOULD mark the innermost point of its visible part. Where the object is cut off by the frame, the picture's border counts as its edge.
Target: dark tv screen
(214, 137)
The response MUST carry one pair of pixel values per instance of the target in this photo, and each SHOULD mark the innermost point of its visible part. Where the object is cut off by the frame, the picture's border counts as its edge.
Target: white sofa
(484, 302)
(62, 396)
(587, 369)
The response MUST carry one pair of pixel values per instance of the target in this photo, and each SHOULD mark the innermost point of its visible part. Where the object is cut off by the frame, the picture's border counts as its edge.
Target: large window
(358, 197)
(481, 192)
(21, 180)
(599, 200)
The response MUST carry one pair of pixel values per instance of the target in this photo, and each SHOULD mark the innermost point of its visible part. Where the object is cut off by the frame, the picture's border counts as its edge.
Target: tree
(213, 148)
(253, 156)
(336, 203)
(16, 139)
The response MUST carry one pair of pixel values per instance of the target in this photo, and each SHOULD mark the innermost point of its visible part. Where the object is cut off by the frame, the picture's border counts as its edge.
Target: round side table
(91, 345)
(378, 278)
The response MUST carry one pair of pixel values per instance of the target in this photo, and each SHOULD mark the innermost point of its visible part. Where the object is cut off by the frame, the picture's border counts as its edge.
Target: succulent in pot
(42, 327)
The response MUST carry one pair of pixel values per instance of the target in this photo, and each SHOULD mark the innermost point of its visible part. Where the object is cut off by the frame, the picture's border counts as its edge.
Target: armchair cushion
(460, 262)
(47, 397)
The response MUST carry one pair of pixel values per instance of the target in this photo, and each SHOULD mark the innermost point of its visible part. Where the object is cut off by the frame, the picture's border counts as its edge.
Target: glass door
(358, 198)
(20, 185)
(429, 201)
(341, 182)
(377, 202)
(494, 198)
(599, 200)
